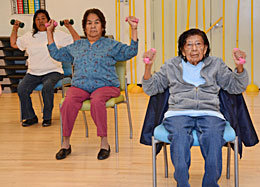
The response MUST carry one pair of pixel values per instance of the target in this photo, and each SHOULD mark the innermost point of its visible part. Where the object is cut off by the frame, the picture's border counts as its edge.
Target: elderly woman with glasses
(194, 79)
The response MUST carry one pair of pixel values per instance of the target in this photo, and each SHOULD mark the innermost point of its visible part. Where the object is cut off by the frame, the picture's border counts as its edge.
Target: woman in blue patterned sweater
(95, 77)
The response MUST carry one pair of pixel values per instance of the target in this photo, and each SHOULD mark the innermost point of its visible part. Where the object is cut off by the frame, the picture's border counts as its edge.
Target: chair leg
(21, 118)
(154, 162)
(129, 112)
(63, 90)
(236, 162)
(165, 160)
(40, 97)
(85, 121)
(228, 161)
(61, 132)
(116, 128)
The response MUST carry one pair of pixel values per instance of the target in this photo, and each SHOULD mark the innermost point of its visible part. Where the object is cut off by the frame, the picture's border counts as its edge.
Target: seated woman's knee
(96, 101)
(48, 86)
(23, 89)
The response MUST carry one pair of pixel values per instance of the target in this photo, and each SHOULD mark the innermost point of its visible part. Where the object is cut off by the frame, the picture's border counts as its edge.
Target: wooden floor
(27, 154)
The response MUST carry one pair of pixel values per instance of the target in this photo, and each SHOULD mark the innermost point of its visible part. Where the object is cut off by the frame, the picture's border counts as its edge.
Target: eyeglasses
(198, 45)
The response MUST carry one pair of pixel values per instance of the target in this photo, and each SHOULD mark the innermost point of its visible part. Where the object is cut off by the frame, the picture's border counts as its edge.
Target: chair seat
(64, 81)
(160, 133)
(110, 103)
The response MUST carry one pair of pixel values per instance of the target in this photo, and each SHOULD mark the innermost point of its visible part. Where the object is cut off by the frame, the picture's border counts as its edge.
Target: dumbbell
(71, 22)
(241, 60)
(136, 20)
(21, 24)
(147, 60)
(55, 24)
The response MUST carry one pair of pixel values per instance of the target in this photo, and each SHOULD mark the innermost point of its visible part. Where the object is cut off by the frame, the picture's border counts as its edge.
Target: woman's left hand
(133, 21)
(67, 23)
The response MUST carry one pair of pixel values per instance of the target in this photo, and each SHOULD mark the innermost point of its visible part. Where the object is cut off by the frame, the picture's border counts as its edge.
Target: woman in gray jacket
(194, 79)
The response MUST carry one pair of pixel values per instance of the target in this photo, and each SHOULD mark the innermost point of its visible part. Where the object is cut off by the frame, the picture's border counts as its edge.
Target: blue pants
(26, 87)
(210, 131)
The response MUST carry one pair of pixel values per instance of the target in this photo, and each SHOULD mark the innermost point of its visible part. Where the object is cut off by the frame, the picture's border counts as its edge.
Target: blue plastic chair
(161, 135)
(67, 68)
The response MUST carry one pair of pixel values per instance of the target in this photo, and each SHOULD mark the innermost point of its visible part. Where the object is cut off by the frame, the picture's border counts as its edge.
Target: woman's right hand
(13, 36)
(50, 29)
(149, 56)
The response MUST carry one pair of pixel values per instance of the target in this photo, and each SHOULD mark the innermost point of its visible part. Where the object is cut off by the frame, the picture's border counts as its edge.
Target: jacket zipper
(196, 89)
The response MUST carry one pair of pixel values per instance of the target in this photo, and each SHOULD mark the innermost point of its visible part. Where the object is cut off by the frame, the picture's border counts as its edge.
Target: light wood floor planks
(27, 155)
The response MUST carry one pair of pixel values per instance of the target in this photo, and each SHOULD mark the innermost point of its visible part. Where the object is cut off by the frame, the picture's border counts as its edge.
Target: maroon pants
(73, 103)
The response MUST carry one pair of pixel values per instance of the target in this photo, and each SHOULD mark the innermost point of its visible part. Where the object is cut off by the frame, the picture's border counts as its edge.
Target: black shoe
(63, 153)
(30, 122)
(46, 123)
(103, 154)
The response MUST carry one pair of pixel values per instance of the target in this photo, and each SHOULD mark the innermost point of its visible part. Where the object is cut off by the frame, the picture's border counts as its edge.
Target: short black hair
(35, 29)
(191, 32)
(100, 16)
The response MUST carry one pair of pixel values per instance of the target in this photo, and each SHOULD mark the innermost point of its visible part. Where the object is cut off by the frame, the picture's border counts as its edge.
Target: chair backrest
(121, 71)
(67, 68)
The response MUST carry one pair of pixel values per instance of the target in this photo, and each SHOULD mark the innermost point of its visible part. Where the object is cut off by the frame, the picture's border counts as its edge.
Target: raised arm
(61, 54)
(133, 24)
(72, 31)
(158, 82)
(13, 36)
(50, 30)
(122, 52)
(148, 66)
(234, 82)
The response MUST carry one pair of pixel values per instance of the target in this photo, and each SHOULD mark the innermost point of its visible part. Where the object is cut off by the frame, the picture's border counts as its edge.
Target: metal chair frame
(234, 142)
(121, 69)
(68, 73)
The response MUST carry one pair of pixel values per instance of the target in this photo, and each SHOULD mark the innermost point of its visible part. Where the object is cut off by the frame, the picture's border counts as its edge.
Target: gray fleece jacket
(186, 96)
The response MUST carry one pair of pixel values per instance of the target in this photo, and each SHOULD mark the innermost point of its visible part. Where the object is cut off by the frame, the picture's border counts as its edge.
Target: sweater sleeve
(231, 81)
(22, 41)
(157, 83)
(121, 52)
(61, 54)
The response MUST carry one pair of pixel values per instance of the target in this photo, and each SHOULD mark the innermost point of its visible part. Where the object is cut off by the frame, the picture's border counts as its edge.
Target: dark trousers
(26, 87)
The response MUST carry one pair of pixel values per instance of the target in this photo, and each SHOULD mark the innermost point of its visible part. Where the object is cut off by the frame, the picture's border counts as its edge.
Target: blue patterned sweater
(94, 65)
